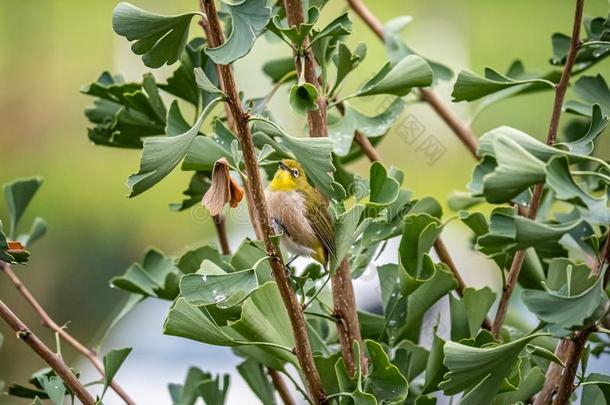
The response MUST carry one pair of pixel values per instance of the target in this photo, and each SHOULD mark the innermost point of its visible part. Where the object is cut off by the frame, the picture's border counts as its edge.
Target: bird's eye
(295, 173)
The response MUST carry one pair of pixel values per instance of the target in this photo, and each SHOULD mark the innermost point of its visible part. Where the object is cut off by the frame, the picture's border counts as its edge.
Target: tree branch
(297, 319)
(344, 299)
(560, 92)
(566, 385)
(221, 232)
(48, 322)
(52, 359)
(280, 387)
(459, 127)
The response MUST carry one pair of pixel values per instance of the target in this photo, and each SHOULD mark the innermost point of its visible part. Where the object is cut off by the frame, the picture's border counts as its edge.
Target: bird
(300, 212)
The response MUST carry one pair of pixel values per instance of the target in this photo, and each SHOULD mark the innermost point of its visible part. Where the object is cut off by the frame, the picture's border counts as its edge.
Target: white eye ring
(295, 173)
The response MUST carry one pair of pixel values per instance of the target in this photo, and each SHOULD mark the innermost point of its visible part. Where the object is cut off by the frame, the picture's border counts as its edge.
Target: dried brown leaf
(224, 189)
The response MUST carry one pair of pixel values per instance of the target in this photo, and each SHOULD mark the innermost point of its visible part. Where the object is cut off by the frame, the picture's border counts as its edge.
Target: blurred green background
(49, 48)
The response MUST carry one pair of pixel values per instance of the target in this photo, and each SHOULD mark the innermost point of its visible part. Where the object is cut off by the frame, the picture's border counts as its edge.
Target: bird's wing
(321, 223)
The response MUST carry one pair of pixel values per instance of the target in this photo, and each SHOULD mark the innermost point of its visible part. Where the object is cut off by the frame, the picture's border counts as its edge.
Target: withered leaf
(224, 189)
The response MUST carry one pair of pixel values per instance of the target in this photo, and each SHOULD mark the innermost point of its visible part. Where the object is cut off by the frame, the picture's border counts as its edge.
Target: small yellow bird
(301, 213)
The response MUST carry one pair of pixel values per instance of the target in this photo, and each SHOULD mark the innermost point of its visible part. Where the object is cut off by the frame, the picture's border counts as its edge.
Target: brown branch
(344, 310)
(566, 385)
(219, 221)
(344, 300)
(553, 373)
(52, 359)
(560, 92)
(306, 68)
(48, 322)
(367, 147)
(459, 127)
(280, 387)
(297, 318)
(221, 232)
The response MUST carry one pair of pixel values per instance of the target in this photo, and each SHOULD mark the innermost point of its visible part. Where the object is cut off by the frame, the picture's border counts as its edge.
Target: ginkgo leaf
(470, 86)
(412, 71)
(160, 39)
(162, 154)
(248, 19)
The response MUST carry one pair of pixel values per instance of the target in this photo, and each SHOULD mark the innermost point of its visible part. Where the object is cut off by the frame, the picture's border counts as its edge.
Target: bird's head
(289, 176)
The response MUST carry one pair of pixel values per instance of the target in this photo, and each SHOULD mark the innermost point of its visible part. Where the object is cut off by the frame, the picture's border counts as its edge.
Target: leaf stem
(297, 318)
(47, 321)
(308, 303)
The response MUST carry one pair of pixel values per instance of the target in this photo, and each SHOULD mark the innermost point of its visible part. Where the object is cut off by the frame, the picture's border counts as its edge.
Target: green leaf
(515, 172)
(182, 82)
(162, 154)
(264, 319)
(384, 189)
(591, 90)
(256, 378)
(347, 228)
(397, 49)
(124, 113)
(188, 321)
(346, 61)
(213, 391)
(412, 71)
(508, 230)
(18, 195)
(249, 18)
(470, 86)
(191, 261)
(477, 304)
(530, 385)
(586, 144)
(295, 34)
(594, 209)
(278, 69)
(37, 231)
(54, 388)
(333, 31)
(576, 304)
(419, 233)
(225, 290)
(384, 379)
(206, 150)
(160, 39)
(303, 98)
(479, 372)
(342, 132)
(113, 360)
(204, 83)
(200, 384)
(157, 276)
(435, 369)
(596, 389)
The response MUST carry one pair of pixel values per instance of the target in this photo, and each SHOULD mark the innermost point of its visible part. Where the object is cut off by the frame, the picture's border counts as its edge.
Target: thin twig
(297, 318)
(344, 299)
(52, 359)
(221, 231)
(48, 322)
(560, 92)
(280, 387)
(458, 126)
